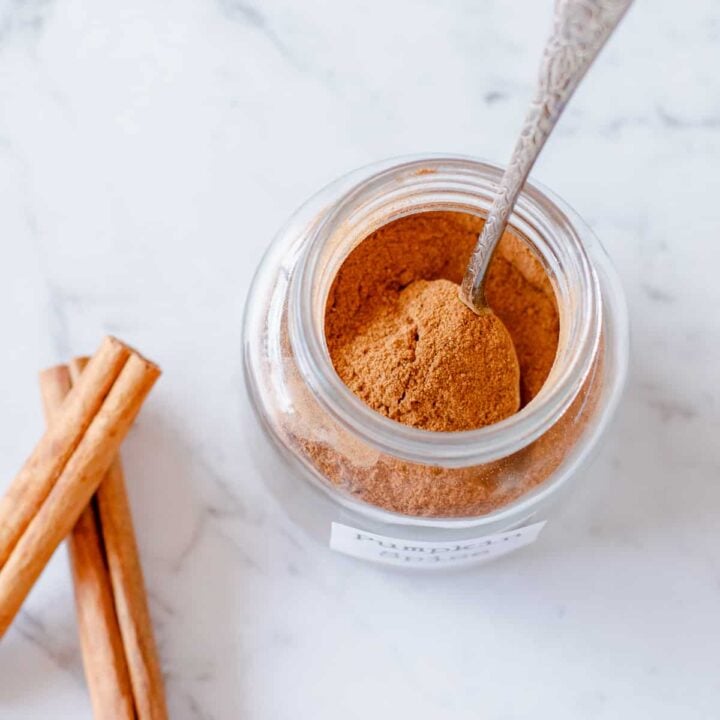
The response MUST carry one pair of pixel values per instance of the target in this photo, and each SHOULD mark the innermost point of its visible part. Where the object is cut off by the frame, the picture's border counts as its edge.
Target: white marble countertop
(148, 152)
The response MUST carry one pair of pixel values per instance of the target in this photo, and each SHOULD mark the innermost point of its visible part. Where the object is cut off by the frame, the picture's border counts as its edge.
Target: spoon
(580, 30)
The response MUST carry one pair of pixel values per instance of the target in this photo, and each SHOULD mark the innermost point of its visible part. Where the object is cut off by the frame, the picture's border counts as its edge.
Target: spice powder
(425, 359)
(427, 247)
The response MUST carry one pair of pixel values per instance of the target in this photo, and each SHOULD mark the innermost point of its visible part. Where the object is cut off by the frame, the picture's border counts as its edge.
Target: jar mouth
(461, 184)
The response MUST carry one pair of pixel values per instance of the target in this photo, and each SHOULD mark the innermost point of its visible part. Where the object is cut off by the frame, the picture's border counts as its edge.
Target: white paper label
(393, 551)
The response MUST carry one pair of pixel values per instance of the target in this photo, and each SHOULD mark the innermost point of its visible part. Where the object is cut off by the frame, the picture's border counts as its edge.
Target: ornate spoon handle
(580, 29)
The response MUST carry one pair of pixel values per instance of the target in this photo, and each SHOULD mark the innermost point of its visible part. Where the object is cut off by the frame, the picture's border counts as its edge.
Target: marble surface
(148, 152)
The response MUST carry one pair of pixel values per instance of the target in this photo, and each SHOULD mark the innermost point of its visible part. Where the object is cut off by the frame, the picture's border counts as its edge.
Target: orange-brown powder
(431, 246)
(424, 359)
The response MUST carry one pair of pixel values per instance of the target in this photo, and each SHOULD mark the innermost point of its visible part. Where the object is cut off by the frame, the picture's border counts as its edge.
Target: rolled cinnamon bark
(33, 483)
(103, 654)
(77, 480)
(128, 586)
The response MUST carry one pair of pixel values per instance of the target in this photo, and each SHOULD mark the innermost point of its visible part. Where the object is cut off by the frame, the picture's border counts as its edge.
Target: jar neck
(457, 184)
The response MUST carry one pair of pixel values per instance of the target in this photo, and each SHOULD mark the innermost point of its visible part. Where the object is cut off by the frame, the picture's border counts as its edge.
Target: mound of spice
(424, 359)
(374, 289)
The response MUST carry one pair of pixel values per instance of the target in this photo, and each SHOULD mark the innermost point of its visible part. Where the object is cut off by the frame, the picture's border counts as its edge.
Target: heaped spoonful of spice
(433, 354)
(425, 360)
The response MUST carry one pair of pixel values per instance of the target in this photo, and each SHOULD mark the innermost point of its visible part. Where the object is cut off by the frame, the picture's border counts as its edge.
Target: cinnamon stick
(102, 648)
(77, 480)
(128, 586)
(33, 483)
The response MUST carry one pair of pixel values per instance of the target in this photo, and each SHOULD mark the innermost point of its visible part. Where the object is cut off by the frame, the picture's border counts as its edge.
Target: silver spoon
(580, 29)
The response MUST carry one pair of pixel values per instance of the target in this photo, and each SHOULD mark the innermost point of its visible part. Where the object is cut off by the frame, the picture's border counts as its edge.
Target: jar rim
(409, 185)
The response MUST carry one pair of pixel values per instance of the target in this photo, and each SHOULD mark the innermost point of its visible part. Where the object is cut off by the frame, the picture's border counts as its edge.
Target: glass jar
(318, 445)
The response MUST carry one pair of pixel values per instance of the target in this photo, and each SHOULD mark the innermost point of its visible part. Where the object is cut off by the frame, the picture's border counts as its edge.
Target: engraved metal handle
(580, 29)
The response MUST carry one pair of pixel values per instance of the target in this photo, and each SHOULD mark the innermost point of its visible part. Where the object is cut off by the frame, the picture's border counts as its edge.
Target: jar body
(338, 471)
